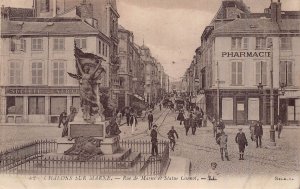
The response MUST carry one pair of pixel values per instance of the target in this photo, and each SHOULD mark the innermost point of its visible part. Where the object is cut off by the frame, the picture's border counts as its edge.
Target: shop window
(81, 43)
(261, 73)
(15, 72)
(286, 73)
(291, 110)
(58, 105)
(253, 109)
(58, 72)
(58, 44)
(36, 44)
(14, 105)
(36, 105)
(37, 73)
(76, 102)
(236, 73)
(286, 43)
(227, 108)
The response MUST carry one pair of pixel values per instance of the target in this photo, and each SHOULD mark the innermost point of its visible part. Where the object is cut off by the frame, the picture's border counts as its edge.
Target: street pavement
(201, 148)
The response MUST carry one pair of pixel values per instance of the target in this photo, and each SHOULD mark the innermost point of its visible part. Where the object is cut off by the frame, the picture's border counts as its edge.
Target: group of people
(192, 119)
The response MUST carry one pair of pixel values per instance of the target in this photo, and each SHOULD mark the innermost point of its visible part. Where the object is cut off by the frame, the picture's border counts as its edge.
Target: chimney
(275, 9)
(278, 12)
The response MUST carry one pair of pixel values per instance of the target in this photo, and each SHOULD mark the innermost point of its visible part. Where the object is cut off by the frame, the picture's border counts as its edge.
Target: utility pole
(218, 91)
(272, 131)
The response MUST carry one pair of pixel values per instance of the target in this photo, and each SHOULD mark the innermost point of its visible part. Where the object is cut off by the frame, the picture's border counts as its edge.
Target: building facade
(239, 51)
(36, 56)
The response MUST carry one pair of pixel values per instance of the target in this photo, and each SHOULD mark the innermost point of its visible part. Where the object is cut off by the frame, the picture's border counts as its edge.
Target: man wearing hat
(222, 141)
(241, 140)
(154, 140)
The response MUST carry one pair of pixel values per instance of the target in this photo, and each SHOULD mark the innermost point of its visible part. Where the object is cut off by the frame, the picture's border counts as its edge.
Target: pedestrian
(133, 121)
(119, 117)
(150, 120)
(61, 116)
(180, 116)
(187, 125)
(154, 141)
(193, 123)
(241, 140)
(214, 123)
(65, 126)
(127, 115)
(212, 173)
(279, 128)
(258, 131)
(252, 129)
(204, 120)
(221, 125)
(222, 140)
(171, 135)
(198, 117)
(159, 106)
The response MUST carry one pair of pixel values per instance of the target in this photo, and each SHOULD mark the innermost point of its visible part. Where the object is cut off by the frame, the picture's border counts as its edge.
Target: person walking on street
(127, 115)
(241, 140)
(258, 131)
(222, 141)
(187, 124)
(150, 120)
(221, 125)
(159, 106)
(133, 121)
(204, 120)
(279, 128)
(180, 116)
(193, 123)
(61, 117)
(171, 135)
(154, 141)
(214, 123)
(252, 129)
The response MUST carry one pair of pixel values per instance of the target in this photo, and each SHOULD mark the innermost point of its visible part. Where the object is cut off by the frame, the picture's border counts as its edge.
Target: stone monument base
(110, 145)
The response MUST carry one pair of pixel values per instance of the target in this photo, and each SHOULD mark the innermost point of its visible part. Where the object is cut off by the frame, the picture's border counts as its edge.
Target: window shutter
(258, 80)
(240, 73)
(289, 73)
(282, 72)
(23, 42)
(233, 73)
(232, 43)
(264, 72)
(245, 42)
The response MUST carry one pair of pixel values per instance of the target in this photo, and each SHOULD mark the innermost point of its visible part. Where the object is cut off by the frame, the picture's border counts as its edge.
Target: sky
(171, 28)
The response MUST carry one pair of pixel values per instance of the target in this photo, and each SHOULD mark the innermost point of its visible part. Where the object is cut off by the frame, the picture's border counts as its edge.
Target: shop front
(289, 108)
(240, 107)
(39, 104)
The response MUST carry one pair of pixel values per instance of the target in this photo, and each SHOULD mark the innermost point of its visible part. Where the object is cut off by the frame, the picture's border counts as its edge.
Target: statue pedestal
(110, 145)
(63, 144)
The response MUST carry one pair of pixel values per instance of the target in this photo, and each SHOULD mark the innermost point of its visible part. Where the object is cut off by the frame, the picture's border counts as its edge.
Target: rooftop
(45, 27)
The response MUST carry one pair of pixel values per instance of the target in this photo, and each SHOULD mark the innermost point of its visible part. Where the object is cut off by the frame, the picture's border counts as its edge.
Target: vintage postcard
(150, 94)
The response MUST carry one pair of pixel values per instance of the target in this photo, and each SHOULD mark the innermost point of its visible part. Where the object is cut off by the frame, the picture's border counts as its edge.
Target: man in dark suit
(150, 120)
(258, 132)
(241, 140)
(154, 141)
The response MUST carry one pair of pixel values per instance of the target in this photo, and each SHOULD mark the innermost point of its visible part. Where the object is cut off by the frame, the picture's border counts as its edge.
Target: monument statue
(88, 74)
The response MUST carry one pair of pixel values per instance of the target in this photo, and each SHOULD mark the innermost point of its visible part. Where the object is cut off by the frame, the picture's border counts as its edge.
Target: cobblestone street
(201, 148)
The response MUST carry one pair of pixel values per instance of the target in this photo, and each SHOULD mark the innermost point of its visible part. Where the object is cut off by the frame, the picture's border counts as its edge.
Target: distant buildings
(37, 51)
(236, 55)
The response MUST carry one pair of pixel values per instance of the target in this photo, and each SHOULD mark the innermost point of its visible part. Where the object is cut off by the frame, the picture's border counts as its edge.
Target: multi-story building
(36, 55)
(239, 52)
(102, 14)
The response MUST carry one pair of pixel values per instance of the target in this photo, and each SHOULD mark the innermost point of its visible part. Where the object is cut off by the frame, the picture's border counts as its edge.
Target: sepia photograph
(150, 94)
